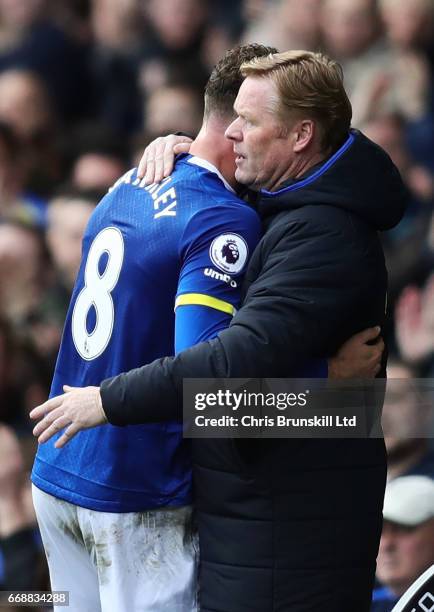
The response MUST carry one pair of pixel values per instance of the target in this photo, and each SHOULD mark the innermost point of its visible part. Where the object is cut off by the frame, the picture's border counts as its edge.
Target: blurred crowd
(86, 84)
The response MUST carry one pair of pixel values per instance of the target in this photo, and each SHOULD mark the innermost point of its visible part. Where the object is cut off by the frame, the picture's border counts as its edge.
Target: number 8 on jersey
(97, 293)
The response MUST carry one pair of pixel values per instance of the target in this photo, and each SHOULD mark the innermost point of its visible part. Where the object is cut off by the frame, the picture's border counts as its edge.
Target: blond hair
(309, 85)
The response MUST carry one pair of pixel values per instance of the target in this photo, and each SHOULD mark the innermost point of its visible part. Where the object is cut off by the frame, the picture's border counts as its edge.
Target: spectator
(406, 246)
(26, 303)
(389, 131)
(23, 562)
(14, 200)
(178, 25)
(117, 29)
(117, 24)
(351, 31)
(72, 17)
(287, 24)
(68, 215)
(407, 416)
(174, 107)
(409, 25)
(31, 41)
(410, 29)
(97, 156)
(97, 171)
(23, 379)
(415, 325)
(174, 43)
(407, 541)
(377, 76)
(24, 103)
(26, 107)
(22, 271)
(8, 392)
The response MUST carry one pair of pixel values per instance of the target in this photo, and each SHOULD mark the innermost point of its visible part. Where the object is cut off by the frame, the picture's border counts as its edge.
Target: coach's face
(262, 144)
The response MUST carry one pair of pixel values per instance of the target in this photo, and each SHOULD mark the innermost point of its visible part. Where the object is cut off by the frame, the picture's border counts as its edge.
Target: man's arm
(295, 309)
(209, 285)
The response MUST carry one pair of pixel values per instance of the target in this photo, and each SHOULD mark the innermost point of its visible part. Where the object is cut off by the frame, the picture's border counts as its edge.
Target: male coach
(287, 525)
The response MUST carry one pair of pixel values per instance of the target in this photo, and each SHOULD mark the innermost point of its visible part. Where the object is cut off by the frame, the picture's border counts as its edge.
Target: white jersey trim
(198, 161)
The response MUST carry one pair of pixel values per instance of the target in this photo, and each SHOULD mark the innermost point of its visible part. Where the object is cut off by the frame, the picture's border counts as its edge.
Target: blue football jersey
(161, 269)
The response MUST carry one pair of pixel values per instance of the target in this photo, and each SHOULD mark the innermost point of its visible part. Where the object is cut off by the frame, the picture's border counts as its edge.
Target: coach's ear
(302, 134)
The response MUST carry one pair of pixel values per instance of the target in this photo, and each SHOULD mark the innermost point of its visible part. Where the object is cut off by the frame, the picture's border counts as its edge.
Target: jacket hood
(360, 177)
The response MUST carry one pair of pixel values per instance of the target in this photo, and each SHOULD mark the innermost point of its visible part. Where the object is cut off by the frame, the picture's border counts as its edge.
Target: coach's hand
(358, 357)
(79, 408)
(159, 156)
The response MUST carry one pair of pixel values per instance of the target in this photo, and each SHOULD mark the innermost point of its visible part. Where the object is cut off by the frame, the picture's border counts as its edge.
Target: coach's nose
(233, 131)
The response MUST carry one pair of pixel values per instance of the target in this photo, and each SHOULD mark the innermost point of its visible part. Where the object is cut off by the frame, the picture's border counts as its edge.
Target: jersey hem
(134, 501)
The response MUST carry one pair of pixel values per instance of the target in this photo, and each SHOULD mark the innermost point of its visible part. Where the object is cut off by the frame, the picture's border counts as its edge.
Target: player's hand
(356, 358)
(79, 408)
(159, 157)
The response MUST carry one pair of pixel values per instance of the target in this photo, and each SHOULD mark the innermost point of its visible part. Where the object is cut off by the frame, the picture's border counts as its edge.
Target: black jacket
(289, 525)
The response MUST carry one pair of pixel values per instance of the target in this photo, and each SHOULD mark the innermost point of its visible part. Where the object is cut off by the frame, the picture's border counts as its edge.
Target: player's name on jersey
(164, 197)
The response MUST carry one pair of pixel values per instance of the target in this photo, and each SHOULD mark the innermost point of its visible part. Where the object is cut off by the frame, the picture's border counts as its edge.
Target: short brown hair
(226, 78)
(311, 84)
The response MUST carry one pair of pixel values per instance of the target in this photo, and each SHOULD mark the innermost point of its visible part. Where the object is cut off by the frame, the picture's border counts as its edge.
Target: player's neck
(212, 146)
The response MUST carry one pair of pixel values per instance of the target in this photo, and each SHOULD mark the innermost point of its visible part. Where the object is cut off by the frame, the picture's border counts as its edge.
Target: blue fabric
(58, 60)
(142, 247)
(383, 600)
(38, 209)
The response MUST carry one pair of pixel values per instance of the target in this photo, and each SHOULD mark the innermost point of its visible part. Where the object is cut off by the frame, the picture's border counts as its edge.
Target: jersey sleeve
(215, 250)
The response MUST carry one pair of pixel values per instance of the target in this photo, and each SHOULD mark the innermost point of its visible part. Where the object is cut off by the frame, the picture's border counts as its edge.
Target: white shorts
(119, 562)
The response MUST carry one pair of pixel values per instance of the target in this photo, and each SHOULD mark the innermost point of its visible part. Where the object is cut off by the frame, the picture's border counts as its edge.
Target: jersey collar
(198, 161)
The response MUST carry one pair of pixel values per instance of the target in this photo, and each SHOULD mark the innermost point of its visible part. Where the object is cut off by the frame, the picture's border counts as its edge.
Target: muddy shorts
(119, 562)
